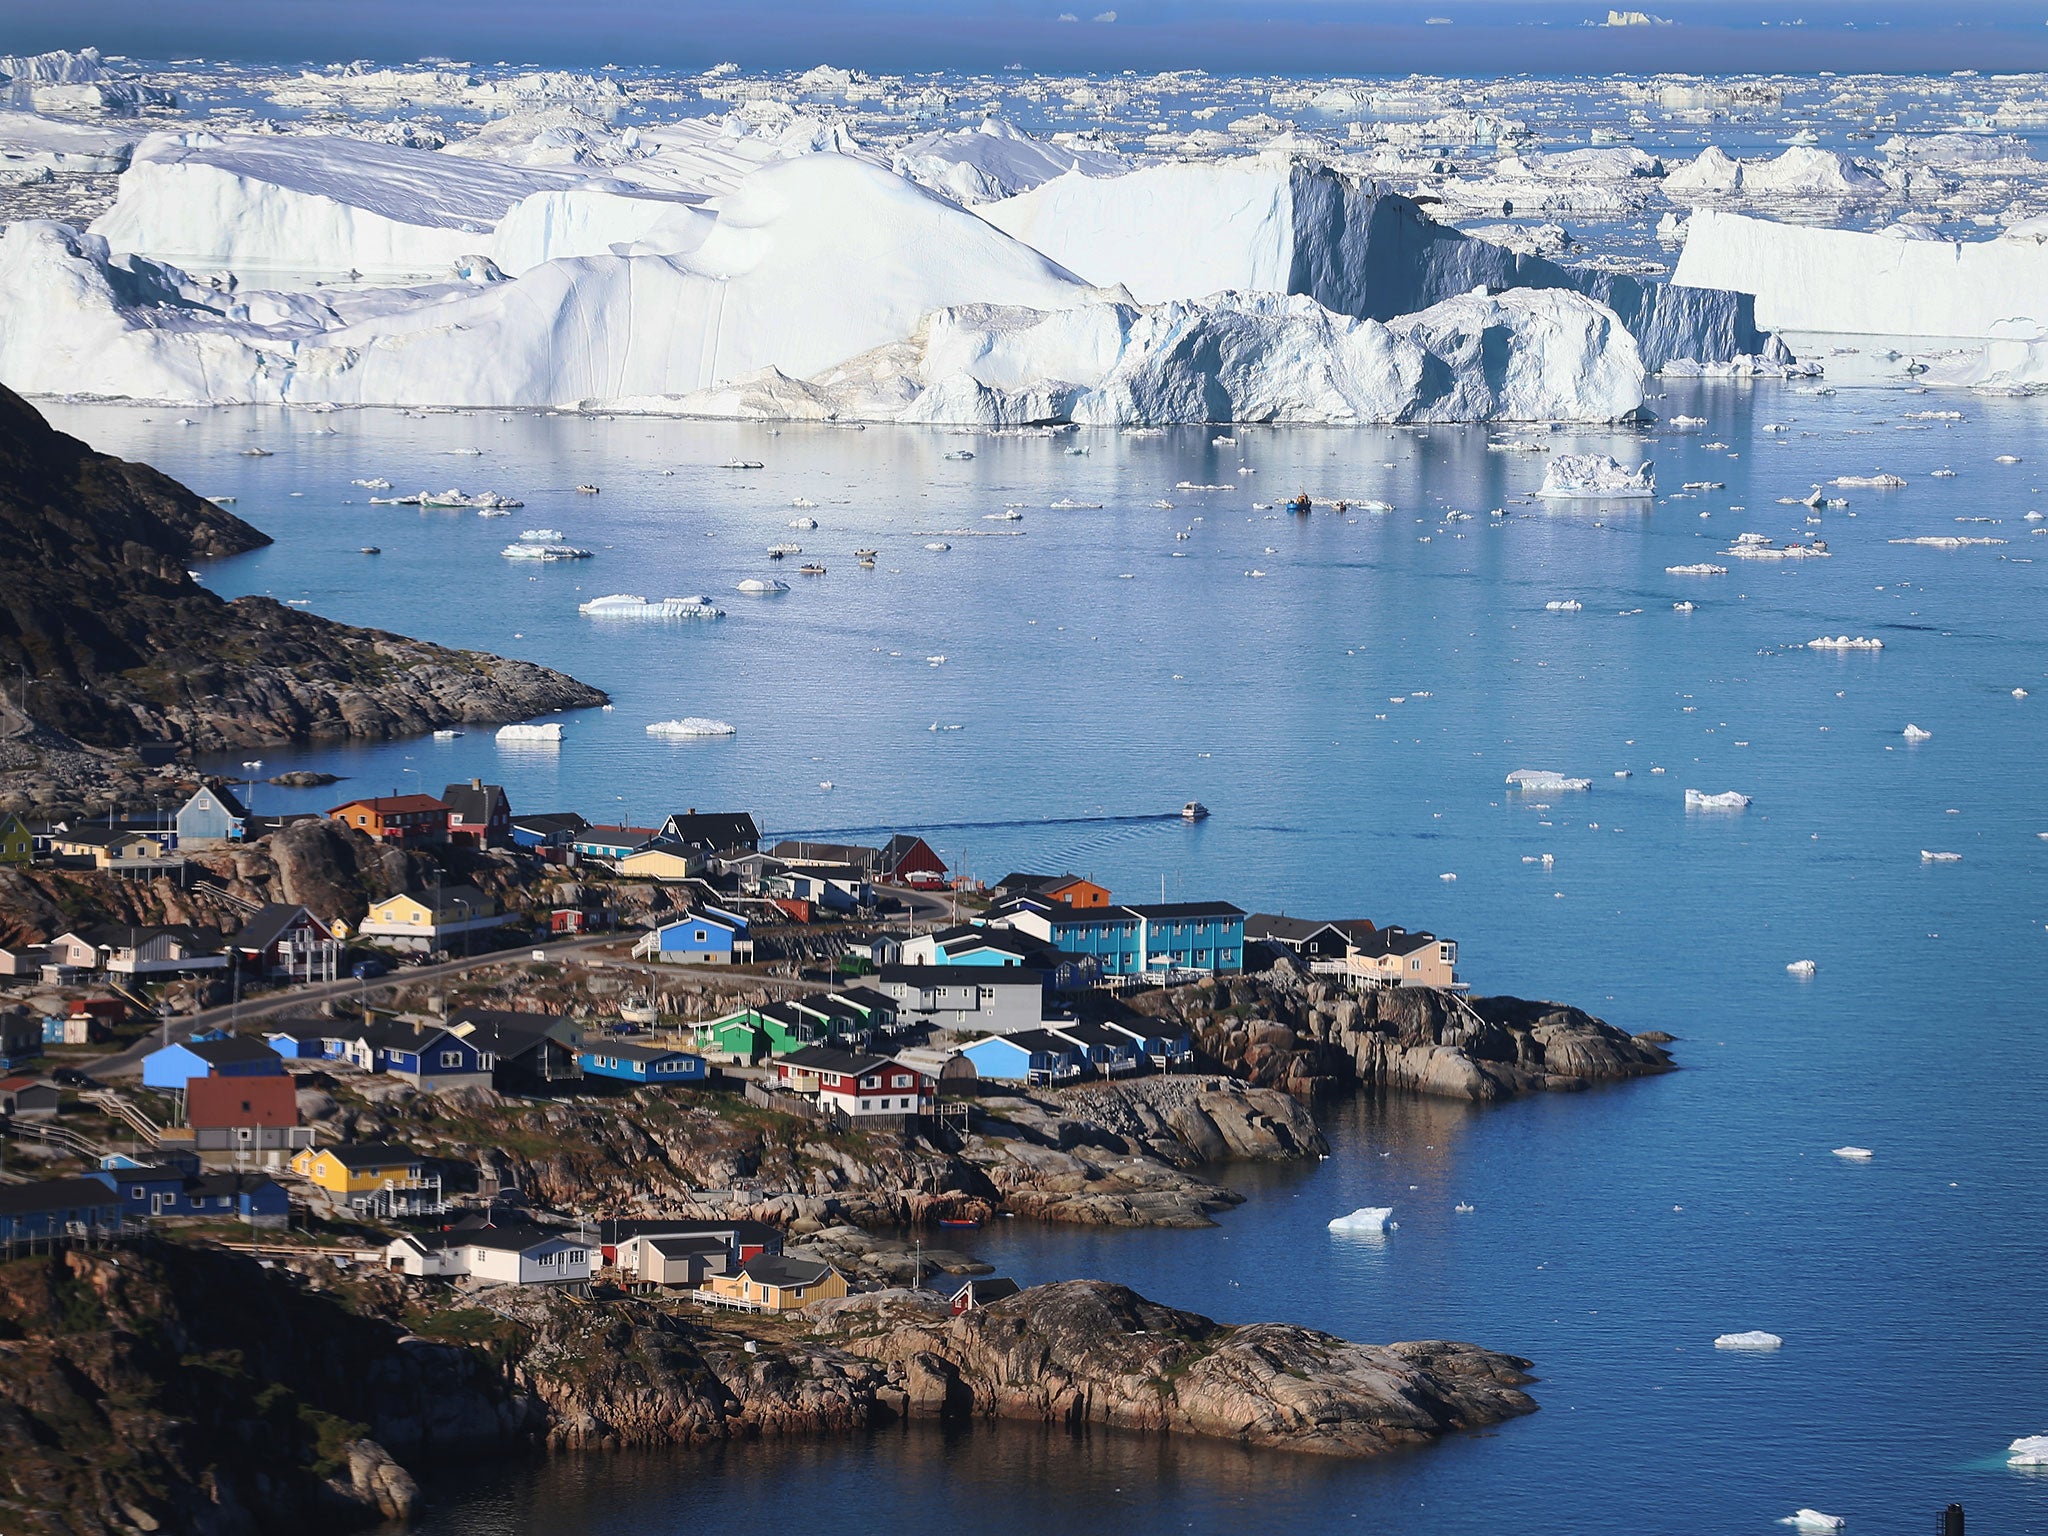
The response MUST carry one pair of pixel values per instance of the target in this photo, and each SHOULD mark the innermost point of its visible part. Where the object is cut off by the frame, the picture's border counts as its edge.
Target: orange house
(402, 819)
(1076, 892)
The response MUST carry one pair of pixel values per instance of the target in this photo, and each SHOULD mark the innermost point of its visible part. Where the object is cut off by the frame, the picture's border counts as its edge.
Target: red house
(908, 860)
(478, 813)
(406, 820)
(224, 1103)
(854, 1084)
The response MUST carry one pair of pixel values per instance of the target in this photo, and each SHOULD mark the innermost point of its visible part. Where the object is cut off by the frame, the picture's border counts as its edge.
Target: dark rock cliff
(96, 603)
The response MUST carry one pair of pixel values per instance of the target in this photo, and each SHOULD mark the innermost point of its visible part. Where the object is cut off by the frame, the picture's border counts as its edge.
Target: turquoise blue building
(641, 1063)
(174, 1065)
(1200, 936)
(703, 936)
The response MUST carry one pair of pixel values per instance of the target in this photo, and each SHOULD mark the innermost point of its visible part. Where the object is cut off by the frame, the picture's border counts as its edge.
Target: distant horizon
(1308, 38)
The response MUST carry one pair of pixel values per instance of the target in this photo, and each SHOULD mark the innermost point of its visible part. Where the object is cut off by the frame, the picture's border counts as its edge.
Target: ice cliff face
(1263, 223)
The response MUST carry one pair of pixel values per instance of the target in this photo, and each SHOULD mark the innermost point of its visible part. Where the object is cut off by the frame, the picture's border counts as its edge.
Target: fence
(91, 1237)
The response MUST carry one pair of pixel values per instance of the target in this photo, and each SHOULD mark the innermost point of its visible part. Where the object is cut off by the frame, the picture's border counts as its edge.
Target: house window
(451, 1058)
(546, 1258)
(703, 937)
(1414, 965)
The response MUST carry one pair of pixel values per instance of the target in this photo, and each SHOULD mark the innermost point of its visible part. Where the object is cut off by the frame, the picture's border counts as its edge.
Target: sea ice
(1844, 643)
(1545, 781)
(1596, 475)
(1813, 1520)
(691, 725)
(1914, 733)
(1367, 1218)
(550, 731)
(1728, 800)
(1802, 968)
(2028, 1451)
(1756, 1338)
(1928, 856)
(1855, 1154)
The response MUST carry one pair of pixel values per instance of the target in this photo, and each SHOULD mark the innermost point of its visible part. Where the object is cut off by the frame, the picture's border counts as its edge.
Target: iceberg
(630, 605)
(1728, 800)
(1543, 781)
(1802, 968)
(1931, 857)
(1182, 230)
(1914, 733)
(995, 160)
(1813, 1520)
(1574, 476)
(1563, 605)
(1879, 481)
(1813, 279)
(1700, 569)
(1854, 1154)
(1844, 643)
(1756, 1338)
(2028, 1451)
(1367, 1218)
(551, 731)
(691, 725)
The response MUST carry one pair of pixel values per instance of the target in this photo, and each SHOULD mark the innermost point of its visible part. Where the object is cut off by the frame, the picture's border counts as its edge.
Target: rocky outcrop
(97, 603)
(1188, 1120)
(1284, 1029)
(1089, 1352)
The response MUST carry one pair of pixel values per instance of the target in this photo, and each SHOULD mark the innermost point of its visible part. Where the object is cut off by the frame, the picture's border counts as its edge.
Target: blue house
(170, 1184)
(148, 1183)
(702, 936)
(174, 1065)
(426, 1055)
(641, 1063)
(212, 815)
(54, 1207)
(1202, 936)
(1025, 1056)
(1112, 1052)
(553, 829)
(299, 1043)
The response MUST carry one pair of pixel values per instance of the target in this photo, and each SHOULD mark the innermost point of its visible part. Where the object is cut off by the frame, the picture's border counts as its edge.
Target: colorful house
(426, 920)
(246, 1116)
(524, 1052)
(610, 843)
(1028, 1056)
(1396, 957)
(126, 848)
(59, 1207)
(974, 999)
(213, 815)
(855, 1084)
(513, 1254)
(478, 814)
(173, 1066)
(775, 1284)
(371, 1176)
(406, 821)
(1205, 937)
(284, 940)
(641, 1064)
(705, 935)
(737, 1040)
(910, 860)
(1070, 890)
(713, 834)
(428, 1056)
(549, 832)
(662, 860)
(17, 845)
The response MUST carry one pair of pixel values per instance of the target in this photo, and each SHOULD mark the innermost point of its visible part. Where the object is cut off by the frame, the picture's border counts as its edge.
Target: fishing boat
(1300, 504)
(959, 1221)
(865, 556)
(586, 490)
(371, 549)
(810, 568)
(1194, 810)
(741, 464)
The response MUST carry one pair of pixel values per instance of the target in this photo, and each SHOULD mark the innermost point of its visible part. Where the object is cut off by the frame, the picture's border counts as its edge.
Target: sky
(1306, 37)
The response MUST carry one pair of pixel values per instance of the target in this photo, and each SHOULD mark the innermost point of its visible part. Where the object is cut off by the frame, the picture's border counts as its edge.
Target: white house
(976, 999)
(508, 1255)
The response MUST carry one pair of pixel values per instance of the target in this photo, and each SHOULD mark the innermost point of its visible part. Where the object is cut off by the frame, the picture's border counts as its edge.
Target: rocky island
(124, 647)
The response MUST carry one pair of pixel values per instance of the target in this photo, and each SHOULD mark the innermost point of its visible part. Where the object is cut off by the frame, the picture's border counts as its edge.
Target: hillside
(96, 602)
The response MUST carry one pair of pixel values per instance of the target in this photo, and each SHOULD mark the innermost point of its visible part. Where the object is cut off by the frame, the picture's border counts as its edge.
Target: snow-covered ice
(1596, 476)
(1367, 1218)
(1545, 781)
(1813, 1520)
(1727, 800)
(1755, 1338)
(2028, 1451)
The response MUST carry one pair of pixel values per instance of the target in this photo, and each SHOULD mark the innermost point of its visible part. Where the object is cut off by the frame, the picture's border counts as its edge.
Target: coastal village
(162, 1073)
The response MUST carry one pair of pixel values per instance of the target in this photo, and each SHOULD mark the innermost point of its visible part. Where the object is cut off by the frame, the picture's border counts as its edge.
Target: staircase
(59, 1136)
(220, 893)
(115, 1104)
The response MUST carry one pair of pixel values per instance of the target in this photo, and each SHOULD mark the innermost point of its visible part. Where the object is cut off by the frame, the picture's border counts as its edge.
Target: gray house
(212, 815)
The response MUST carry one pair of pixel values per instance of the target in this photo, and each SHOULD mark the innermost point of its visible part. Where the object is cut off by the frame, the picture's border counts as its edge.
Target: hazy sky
(1291, 36)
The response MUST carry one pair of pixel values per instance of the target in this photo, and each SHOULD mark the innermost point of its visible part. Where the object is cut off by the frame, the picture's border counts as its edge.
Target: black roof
(1170, 911)
(719, 831)
(823, 1058)
(797, 851)
(1288, 930)
(264, 929)
(960, 975)
(1391, 941)
(218, 1053)
(1091, 1034)
(867, 999)
(776, 1269)
(501, 1031)
(902, 846)
(680, 1244)
(54, 1195)
(225, 794)
(548, 823)
(474, 802)
(513, 1237)
(641, 1053)
(369, 1154)
(399, 1034)
(228, 1183)
(1038, 1042)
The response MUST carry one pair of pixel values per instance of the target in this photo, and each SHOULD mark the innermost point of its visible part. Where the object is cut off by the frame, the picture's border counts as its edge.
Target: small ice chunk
(1545, 781)
(1854, 1154)
(2028, 1451)
(1755, 1338)
(1367, 1218)
(1813, 1520)
(1447, 877)
(1930, 857)
(1563, 605)
(1914, 733)
(1700, 569)
(1802, 967)
(1727, 800)
(1844, 643)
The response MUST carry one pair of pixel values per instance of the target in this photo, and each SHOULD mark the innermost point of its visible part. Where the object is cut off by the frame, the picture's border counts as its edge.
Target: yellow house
(1397, 958)
(108, 847)
(772, 1283)
(360, 1169)
(661, 861)
(424, 919)
(16, 846)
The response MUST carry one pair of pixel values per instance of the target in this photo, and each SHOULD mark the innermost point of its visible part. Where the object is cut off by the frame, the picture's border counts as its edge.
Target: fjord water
(1614, 1233)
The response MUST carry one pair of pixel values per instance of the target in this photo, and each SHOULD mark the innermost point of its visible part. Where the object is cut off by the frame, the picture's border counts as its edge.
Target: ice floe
(1545, 781)
(1854, 1154)
(1802, 968)
(549, 731)
(1915, 733)
(1367, 1218)
(2028, 1451)
(1813, 1520)
(691, 725)
(1755, 1338)
(1844, 643)
(1596, 475)
(1727, 800)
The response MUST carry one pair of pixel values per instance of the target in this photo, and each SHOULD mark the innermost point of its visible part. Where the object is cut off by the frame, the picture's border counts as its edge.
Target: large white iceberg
(1574, 476)
(1803, 171)
(1727, 800)
(2028, 1451)
(995, 160)
(1840, 280)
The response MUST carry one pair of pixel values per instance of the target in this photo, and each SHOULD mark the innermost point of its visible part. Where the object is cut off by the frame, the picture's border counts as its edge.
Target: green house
(16, 846)
(750, 1035)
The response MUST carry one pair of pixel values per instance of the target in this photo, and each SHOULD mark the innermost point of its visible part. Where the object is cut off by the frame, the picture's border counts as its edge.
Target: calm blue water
(1615, 1234)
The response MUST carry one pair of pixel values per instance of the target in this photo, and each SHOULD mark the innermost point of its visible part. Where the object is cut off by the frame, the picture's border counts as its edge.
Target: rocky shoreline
(174, 1386)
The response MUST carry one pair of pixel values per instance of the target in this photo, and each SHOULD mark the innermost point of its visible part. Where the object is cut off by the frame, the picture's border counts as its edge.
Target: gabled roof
(1088, 1034)
(682, 1247)
(401, 1035)
(614, 834)
(230, 802)
(474, 802)
(718, 831)
(645, 1054)
(449, 896)
(1037, 1042)
(1391, 941)
(794, 851)
(100, 837)
(823, 1058)
(1287, 930)
(392, 805)
(669, 846)
(505, 1034)
(616, 1229)
(549, 823)
(368, 1154)
(903, 845)
(779, 1270)
(228, 1051)
(514, 1237)
(269, 925)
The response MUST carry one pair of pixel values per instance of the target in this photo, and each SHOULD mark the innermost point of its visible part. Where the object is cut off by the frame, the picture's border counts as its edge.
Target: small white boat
(371, 549)
(938, 547)
(548, 732)
(741, 464)
(586, 490)
(446, 735)
(755, 586)
(256, 453)
(1007, 515)
(777, 551)
(691, 726)
(1194, 810)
